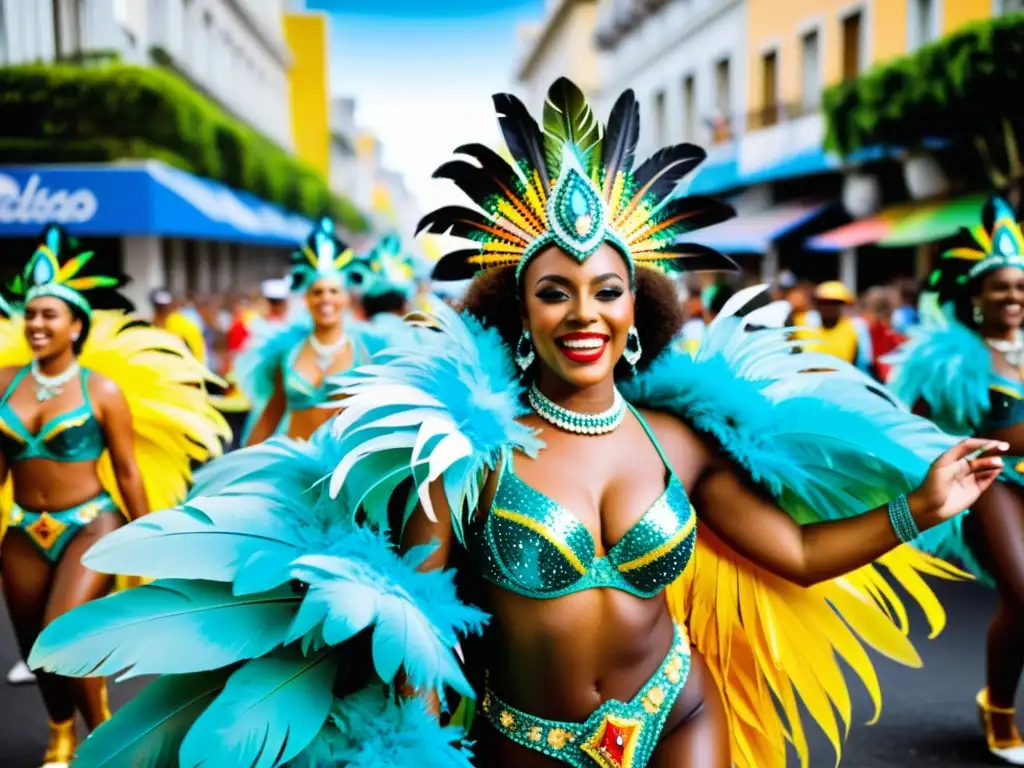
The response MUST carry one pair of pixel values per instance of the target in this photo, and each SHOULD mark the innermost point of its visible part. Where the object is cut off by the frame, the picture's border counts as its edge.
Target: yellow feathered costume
(173, 419)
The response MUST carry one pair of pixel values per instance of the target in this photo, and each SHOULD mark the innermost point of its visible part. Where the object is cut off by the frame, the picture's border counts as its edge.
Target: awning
(755, 232)
(148, 198)
(867, 231)
(936, 223)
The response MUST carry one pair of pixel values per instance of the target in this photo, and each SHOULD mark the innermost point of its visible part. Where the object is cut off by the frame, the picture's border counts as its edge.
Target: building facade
(233, 52)
(559, 45)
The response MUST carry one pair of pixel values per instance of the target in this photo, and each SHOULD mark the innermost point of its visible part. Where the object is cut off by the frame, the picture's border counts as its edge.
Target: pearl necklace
(581, 423)
(49, 387)
(1013, 350)
(325, 353)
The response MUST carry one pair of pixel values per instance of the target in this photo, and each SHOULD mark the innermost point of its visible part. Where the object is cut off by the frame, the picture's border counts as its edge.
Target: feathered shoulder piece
(442, 401)
(175, 425)
(946, 365)
(266, 351)
(825, 442)
(252, 671)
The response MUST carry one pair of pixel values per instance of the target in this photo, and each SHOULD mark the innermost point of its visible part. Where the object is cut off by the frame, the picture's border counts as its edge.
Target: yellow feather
(72, 266)
(774, 647)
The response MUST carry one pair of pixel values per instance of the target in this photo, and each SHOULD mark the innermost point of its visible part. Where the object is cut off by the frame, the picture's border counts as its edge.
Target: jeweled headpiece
(45, 275)
(573, 185)
(323, 254)
(998, 238)
(389, 268)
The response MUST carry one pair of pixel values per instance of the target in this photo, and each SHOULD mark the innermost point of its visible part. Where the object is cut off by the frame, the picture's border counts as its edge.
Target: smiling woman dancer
(99, 420)
(286, 373)
(650, 561)
(963, 368)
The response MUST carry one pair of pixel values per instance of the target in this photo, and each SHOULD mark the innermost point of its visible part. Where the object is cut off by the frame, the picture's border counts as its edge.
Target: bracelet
(902, 521)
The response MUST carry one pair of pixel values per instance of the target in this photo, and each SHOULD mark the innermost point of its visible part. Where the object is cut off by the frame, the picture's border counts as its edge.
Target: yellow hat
(833, 290)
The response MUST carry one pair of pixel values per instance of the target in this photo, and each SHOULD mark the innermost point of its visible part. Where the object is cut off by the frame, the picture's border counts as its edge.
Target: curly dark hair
(496, 300)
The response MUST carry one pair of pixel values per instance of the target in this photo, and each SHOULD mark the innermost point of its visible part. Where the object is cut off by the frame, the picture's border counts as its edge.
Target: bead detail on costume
(45, 530)
(614, 743)
(580, 423)
(903, 523)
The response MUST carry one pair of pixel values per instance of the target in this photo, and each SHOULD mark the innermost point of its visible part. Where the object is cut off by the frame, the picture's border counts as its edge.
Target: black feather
(522, 135)
(663, 170)
(494, 164)
(692, 257)
(454, 220)
(619, 146)
(456, 266)
(698, 211)
(476, 182)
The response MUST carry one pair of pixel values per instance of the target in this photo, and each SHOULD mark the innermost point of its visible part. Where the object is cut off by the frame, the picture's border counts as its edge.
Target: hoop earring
(977, 314)
(524, 351)
(633, 349)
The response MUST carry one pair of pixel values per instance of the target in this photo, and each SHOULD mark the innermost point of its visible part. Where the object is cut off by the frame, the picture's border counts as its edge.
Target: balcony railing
(781, 112)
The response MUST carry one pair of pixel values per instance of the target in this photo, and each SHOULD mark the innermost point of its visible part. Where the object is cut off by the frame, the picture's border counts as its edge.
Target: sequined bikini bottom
(51, 532)
(616, 735)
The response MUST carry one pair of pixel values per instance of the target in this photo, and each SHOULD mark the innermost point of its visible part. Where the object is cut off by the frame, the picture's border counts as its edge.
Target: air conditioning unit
(924, 176)
(862, 194)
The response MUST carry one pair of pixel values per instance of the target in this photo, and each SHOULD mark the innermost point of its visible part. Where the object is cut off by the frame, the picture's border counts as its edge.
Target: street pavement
(928, 716)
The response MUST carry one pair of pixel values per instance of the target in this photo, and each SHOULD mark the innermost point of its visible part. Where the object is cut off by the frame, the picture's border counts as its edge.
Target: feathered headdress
(323, 254)
(46, 275)
(995, 243)
(573, 185)
(388, 268)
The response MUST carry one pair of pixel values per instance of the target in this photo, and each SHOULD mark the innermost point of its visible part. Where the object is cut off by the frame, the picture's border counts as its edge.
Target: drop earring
(524, 351)
(977, 314)
(633, 350)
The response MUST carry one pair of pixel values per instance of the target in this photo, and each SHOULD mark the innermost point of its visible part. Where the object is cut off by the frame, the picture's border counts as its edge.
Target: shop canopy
(139, 199)
(755, 232)
(903, 225)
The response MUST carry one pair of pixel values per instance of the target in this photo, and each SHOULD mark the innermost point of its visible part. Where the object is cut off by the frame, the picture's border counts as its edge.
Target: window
(769, 88)
(689, 109)
(720, 120)
(810, 66)
(209, 47)
(852, 45)
(4, 53)
(1010, 6)
(659, 118)
(922, 23)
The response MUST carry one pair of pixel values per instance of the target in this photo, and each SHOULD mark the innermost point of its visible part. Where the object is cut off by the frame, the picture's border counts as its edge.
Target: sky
(422, 73)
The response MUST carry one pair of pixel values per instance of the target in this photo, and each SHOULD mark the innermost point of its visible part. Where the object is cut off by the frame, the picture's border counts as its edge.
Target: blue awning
(148, 198)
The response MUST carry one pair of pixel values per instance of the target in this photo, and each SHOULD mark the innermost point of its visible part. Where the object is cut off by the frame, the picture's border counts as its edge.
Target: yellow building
(798, 47)
(308, 86)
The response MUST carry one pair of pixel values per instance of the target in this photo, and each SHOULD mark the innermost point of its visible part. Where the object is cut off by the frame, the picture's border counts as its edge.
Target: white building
(686, 61)
(559, 45)
(358, 173)
(233, 51)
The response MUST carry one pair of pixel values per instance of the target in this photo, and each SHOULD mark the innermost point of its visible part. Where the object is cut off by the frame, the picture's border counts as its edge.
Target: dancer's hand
(955, 480)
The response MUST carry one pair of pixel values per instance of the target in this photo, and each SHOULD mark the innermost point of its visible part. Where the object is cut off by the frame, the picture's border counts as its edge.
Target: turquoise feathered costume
(279, 617)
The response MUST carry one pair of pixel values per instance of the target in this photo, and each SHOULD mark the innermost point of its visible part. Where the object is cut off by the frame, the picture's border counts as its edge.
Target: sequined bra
(67, 438)
(1006, 403)
(533, 546)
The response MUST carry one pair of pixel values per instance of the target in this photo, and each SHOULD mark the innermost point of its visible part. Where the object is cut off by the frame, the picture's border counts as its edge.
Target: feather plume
(569, 121)
(147, 731)
(619, 145)
(522, 136)
(269, 712)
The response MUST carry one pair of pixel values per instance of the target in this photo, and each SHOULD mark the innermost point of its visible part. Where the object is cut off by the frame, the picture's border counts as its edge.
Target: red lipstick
(582, 347)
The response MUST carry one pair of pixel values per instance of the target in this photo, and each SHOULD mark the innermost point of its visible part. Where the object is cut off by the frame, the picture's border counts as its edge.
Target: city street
(928, 717)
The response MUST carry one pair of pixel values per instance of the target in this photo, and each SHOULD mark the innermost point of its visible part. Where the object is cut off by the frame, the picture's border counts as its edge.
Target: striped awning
(936, 223)
(867, 231)
(755, 232)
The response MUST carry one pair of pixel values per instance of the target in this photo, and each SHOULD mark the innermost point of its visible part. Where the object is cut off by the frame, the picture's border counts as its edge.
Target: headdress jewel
(574, 186)
(44, 275)
(998, 238)
(323, 254)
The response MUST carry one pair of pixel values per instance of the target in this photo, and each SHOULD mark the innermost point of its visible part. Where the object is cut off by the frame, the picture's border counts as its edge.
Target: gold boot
(62, 745)
(1009, 750)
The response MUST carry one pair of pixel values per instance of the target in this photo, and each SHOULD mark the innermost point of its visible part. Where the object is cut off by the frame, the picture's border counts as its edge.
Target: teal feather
(441, 402)
(946, 365)
(370, 729)
(825, 443)
(172, 626)
(416, 616)
(147, 731)
(269, 711)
